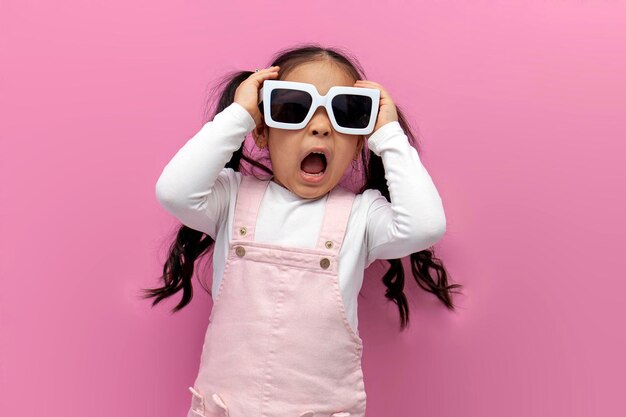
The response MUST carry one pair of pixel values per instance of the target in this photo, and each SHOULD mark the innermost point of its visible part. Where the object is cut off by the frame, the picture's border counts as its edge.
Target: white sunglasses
(290, 105)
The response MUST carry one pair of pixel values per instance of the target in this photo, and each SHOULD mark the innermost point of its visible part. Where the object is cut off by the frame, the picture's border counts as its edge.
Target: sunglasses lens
(289, 106)
(352, 110)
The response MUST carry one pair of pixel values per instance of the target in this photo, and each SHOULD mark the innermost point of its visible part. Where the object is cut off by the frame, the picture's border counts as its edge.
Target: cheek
(345, 156)
(283, 155)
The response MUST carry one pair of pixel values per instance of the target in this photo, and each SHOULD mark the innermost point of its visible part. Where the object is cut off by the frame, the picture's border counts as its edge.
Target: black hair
(190, 244)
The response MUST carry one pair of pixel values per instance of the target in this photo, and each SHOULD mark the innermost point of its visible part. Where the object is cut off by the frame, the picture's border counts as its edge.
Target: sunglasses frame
(318, 100)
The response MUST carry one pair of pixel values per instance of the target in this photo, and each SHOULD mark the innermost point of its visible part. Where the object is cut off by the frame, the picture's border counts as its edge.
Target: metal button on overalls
(279, 343)
(325, 263)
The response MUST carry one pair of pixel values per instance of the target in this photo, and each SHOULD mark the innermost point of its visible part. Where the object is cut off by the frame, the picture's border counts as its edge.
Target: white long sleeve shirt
(197, 188)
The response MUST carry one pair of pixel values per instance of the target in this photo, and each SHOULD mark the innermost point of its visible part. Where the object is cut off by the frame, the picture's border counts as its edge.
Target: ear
(259, 134)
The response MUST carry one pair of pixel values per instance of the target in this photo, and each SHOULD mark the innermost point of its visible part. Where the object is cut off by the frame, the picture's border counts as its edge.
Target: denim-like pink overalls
(279, 343)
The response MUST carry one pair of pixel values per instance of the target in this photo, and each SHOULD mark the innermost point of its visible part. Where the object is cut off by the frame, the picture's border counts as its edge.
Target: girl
(290, 249)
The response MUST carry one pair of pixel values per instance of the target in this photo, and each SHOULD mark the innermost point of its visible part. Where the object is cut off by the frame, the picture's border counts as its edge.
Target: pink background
(520, 110)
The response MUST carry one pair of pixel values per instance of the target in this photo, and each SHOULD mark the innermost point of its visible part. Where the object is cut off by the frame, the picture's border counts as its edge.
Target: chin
(311, 192)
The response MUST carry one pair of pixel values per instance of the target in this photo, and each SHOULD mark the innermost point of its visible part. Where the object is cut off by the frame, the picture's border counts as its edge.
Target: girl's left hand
(387, 109)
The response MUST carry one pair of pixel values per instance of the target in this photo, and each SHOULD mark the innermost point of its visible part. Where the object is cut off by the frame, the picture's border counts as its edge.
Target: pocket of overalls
(202, 408)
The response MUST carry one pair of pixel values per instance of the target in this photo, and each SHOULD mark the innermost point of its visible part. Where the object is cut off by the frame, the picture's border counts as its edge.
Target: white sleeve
(415, 219)
(194, 185)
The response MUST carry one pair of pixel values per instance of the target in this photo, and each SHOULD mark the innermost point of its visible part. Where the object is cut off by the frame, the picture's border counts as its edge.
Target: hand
(247, 93)
(386, 109)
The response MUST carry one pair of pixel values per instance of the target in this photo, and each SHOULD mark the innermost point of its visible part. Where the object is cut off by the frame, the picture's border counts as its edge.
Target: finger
(366, 82)
(369, 84)
(262, 75)
(266, 70)
(372, 84)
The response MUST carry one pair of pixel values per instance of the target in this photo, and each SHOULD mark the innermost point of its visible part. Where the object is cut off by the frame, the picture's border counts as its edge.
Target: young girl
(290, 249)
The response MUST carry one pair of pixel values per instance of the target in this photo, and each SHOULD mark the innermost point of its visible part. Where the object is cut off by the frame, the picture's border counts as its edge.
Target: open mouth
(314, 164)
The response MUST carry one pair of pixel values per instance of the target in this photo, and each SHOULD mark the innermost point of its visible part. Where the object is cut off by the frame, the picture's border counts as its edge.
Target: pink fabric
(278, 343)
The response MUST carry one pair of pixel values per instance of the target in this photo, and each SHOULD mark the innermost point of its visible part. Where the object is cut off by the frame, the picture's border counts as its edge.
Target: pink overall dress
(279, 343)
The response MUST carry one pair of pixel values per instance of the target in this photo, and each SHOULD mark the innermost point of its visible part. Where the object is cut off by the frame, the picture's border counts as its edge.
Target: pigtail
(428, 271)
(189, 244)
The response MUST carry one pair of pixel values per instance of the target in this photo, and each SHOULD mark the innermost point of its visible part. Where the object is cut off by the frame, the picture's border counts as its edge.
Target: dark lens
(289, 106)
(352, 110)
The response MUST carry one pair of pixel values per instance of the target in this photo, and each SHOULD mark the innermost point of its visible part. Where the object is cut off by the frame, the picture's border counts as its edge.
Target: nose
(320, 122)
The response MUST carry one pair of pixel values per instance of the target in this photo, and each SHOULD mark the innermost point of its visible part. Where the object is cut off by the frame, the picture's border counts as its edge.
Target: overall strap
(249, 196)
(336, 216)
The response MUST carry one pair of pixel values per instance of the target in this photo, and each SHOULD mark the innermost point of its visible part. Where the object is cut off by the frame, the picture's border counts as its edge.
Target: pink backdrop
(520, 110)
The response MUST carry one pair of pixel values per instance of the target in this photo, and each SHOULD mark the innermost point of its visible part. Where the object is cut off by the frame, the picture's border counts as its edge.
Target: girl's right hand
(247, 93)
